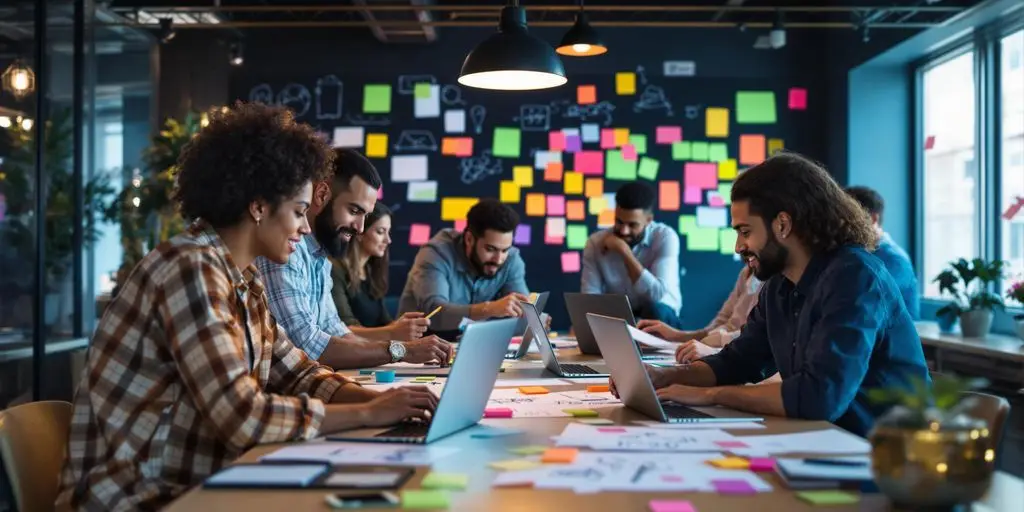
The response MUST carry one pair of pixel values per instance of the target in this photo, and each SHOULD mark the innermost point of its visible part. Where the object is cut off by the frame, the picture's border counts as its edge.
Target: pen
(432, 313)
(836, 462)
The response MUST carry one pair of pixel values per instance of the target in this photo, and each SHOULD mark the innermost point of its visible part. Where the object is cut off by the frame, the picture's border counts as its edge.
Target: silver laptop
(465, 395)
(547, 352)
(608, 304)
(524, 345)
(634, 385)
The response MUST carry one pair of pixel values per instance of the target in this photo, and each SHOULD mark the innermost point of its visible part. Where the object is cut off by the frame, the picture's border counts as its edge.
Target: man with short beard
(300, 290)
(830, 318)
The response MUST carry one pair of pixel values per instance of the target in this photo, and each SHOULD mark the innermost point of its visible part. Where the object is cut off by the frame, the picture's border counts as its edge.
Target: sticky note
(596, 421)
(625, 83)
(590, 132)
(596, 205)
(556, 205)
(456, 208)
(509, 192)
(559, 455)
(629, 152)
(348, 137)
(687, 223)
(459, 225)
(419, 234)
(506, 142)
(725, 190)
(570, 262)
(752, 149)
(575, 209)
(727, 169)
(582, 413)
(608, 138)
(797, 99)
(573, 143)
(699, 151)
(553, 172)
(730, 463)
(716, 122)
(514, 464)
(497, 412)
(528, 450)
(522, 234)
(701, 175)
(639, 142)
(669, 196)
(376, 99)
(755, 107)
(717, 152)
(573, 183)
(714, 199)
(671, 506)
(681, 150)
(606, 218)
(420, 192)
(598, 388)
(691, 195)
(712, 217)
(425, 499)
(421, 90)
(668, 134)
(435, 480)
(535, 205)
(621, 136)
(727, 241)
(427, 103)
(762, 465)
(593, 187)
(586, 94)
(775, 145)
(702, 239)
(485, 432)
(541, 159)
(576, 236)
(376, 145)
(425, 378)
(829, 497)
(454, 121)
(556, 141)
(732, 487)
(589, 162)
(648, 169)
(618, 168)
(522, 175)
(457, 146)
(533, 390)
(730, 444)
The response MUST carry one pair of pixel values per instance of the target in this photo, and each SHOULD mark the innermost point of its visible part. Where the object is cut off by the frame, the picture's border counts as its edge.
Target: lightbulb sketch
(477, 113)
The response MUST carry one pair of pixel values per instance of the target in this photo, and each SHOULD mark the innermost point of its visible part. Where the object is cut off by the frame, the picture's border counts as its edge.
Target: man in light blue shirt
(299, 291)
(638, 258)
(476, 274)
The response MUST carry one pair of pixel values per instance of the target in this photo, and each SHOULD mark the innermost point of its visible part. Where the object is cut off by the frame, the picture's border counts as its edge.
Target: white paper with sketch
(738, 425)
(829, 441)
(508, 383)
(651, 340)
(642, 439)
(550, 405)
(361, 453)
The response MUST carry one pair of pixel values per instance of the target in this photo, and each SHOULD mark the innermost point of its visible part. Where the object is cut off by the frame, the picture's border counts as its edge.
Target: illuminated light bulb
(26, 124)
(5, 122)
(136, 202)
(20, 80)
(581, 48)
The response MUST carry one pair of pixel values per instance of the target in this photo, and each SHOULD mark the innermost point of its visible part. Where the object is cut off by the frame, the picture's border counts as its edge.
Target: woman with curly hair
(830, 318)
(187, 369)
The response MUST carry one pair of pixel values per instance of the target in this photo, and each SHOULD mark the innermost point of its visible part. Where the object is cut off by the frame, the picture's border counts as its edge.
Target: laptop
(634, 385)
(524, 345)
(547, 352)
(465, 394)
(608, 304)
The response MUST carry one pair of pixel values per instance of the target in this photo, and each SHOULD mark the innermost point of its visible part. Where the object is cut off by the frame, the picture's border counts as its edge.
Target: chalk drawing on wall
(653, 97)
(452, 95)
(328, 97)
(477, 113)
(534, 118)
(407, 83)
(367, 120)
(262, 93)
(296, 97)
(693, 111)
(478, 168)
(416, 140)
(596, 112)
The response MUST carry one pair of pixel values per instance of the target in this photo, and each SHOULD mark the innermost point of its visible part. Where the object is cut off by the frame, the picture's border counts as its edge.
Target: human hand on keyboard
(398, 404)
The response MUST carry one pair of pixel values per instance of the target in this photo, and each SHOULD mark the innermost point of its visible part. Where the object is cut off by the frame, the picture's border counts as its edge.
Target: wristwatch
(397, 351)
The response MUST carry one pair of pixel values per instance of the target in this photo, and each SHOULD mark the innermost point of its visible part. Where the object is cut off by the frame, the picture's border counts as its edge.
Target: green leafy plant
(969, 283)
(942, 400)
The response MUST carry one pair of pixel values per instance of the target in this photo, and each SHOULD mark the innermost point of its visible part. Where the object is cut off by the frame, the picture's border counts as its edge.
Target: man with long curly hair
(830, 318)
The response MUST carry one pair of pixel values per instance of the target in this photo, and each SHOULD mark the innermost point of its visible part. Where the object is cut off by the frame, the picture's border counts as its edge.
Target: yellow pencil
(432, 313)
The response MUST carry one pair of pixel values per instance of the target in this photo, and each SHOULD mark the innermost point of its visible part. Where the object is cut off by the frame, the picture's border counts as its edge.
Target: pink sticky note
(798, 99)
(497, 412)
(1009, 214)
(556, 141)
(611, 430)
(731, 444)
(589, 163)
(460, 225)
(570, 262)
(691, 195)
(762, 465)
(929, 142)
(670, 506)
(522, 235)
(702, 175)
(715, 200)
(556, 205)
(629, 152)
(607, 138)
(668, 134)
(724, 486)
(419, 234)
(550, 239)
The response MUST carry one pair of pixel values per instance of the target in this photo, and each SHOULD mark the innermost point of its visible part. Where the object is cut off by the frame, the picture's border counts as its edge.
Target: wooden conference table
(1006, 492)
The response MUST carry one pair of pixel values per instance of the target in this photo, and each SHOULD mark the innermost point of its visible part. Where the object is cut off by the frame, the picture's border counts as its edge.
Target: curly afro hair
(247, 153)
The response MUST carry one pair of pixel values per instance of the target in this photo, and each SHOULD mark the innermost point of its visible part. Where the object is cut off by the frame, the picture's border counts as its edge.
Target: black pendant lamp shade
(513, 59)
(581, 40)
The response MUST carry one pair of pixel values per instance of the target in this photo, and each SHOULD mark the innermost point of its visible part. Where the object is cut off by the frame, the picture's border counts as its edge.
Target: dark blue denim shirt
(840, 331)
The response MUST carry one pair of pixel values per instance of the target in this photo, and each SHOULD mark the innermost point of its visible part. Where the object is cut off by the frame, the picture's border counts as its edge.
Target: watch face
(397, 351)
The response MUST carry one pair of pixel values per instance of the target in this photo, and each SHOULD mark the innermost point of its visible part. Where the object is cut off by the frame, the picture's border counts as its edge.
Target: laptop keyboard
(676, 411)
(410, 429)
(578, 369)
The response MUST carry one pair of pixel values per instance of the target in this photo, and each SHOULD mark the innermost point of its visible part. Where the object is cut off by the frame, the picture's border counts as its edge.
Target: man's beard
(481, 267)
(631, 241)
(771, 260)
(329, 235)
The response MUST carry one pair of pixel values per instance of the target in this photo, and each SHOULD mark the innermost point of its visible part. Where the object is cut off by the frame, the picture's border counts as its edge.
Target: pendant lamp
(513, 59)
(581, 40)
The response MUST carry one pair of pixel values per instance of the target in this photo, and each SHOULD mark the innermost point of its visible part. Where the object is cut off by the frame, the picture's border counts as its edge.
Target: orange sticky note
(752, 149)
(668, 196)
(598, 388)
(559, 455)
(533, 390)
(593, 187)
(553, 172)
(457, 146)
(575, 209)
(606, 219)
(586, 94)
(535, 205)
(573, 183)
(621, 137)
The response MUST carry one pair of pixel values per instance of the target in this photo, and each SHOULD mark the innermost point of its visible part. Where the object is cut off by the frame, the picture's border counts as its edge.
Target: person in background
(300, 289)
(896, 260)
(830, 318)
(638, 257)
(187, 370)
(476, 274)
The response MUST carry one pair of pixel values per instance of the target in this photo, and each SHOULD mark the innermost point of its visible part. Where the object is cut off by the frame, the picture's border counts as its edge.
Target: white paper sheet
(650, 340)
(455, 121)
(349, 137)
(406, 168)
(819, 441)
(362, 453)
(511, 383)
(429, 106)
(541, 159)
(550, 405)
(744, 425)
(642, 439)
(712, 216)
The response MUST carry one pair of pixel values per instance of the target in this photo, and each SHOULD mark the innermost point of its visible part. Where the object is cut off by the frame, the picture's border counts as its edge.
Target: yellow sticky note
(593, 187)
(581, 413)
(621, 137)
(523, 175)
(533, 449)
(536, 205)
(730, 463)
(573, 182)
(596, 205)
(775, 145)
(377, 145)
(533, 390)
(625, 83)
(514, 464)
(559, 455)
(727, 169)
(425, 378)
(456, 208)
(717, 121)
(509, 192)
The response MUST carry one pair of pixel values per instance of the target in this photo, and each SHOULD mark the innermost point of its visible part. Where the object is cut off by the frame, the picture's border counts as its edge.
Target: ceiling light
(166, 30)
(581, 40)
(513, 59)
(777, 35)
(235, 56)
(18, 79)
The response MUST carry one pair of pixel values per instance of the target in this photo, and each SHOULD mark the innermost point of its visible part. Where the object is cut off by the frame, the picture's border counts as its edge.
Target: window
(1011, 185)
(950, 173)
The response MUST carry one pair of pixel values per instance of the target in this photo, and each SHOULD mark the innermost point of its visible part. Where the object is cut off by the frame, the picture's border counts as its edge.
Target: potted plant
(970, 283)
(928, 450)
(1016, 293)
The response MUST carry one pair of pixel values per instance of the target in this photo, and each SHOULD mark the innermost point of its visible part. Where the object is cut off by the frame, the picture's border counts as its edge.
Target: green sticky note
(755, 107)
(699, 151)
(376, 99)
(425, 499)
(681, 150)
(421, 90)
(687, 223)
(718, 151)
(534, 449)
(506, 142)
(581, 413)
(725, 190)
(425, 378)
(618, 168)
(457, 481)
(727, 241)
(648, 168)
(576, 236)
(829, 497)
(639, 142)
(702, 239)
